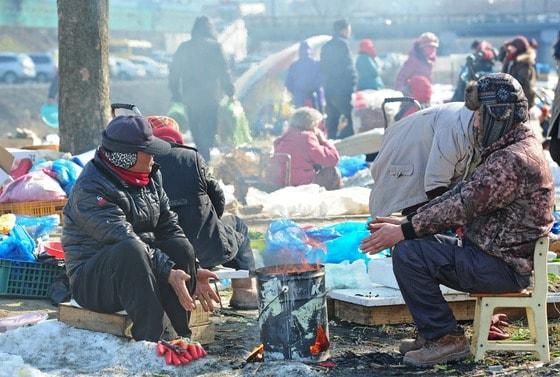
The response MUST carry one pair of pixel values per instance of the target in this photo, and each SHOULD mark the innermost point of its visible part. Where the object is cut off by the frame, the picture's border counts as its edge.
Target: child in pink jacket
(313, 157)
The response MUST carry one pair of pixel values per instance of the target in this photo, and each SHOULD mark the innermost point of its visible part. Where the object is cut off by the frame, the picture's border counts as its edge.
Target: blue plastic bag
(287, 242)
(349, 166)
(18, 246)
(38, 227)
(66, 173)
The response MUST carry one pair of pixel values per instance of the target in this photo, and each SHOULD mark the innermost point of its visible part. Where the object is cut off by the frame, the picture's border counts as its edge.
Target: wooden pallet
(397, 312)
(120, 324)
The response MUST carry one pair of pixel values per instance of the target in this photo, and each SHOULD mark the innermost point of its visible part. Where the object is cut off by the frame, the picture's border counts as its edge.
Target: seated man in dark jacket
(197, 198)
(504, 206)
(123, 246)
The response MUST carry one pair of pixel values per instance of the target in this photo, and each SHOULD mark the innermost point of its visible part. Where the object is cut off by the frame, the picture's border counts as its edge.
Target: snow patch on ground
(52, 348)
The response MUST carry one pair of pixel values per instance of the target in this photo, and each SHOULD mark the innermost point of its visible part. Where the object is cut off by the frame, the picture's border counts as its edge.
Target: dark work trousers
(203, 123)
(339, 105)
(421, 265)
(244, 259)
(121, 277)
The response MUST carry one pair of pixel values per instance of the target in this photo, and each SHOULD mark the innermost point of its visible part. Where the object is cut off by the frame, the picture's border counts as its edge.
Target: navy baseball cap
(131, 134)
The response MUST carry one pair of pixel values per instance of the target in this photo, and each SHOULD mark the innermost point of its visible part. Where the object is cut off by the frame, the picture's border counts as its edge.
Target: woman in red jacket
(313, 158)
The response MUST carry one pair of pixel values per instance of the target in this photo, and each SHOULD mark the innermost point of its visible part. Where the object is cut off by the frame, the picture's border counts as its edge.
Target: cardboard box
(9, 155)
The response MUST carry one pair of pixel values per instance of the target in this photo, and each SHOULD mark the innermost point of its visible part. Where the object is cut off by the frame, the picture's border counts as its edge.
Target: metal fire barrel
(292, 307)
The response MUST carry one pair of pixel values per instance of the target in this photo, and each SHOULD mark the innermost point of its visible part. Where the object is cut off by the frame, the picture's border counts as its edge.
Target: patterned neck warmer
(121, 160)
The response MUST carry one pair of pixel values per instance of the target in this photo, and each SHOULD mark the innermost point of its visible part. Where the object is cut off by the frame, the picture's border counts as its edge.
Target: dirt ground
(355, 350)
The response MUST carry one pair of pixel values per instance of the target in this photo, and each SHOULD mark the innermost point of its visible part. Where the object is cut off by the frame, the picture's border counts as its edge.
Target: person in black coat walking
(340, 79)
(198, 77)
(197, 198)
(124, 248)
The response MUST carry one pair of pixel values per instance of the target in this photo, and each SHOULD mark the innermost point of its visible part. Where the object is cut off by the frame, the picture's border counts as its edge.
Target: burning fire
(256, 355)
(289, 268)
(321, 342)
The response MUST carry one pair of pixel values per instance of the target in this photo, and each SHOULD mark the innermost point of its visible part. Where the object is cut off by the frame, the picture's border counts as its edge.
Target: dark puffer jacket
(196, 196)
(103, 210)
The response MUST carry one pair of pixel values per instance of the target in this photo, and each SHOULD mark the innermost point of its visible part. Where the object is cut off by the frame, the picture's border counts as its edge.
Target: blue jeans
(421, 265)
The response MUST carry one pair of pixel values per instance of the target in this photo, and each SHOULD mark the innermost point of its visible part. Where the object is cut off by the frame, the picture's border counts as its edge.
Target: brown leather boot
(445, 349)
(412, 344)
(244, 295)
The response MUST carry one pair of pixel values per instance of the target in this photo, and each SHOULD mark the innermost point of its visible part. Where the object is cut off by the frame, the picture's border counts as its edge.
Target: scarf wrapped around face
(502, 105)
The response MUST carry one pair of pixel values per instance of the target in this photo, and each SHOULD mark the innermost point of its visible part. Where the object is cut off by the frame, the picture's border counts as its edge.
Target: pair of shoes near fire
(425, 353)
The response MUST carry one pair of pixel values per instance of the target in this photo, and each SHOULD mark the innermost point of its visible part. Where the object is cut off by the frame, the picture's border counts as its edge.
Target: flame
(321, 342)
(256, 355)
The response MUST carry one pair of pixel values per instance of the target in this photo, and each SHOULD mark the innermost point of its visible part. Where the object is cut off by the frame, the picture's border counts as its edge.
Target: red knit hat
(165, 128)
(366, 46)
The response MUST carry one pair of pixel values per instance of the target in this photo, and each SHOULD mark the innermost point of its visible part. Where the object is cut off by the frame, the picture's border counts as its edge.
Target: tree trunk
(83, 61)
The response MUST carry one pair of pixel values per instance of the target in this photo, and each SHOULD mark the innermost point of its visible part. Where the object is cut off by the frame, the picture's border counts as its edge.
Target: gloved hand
(499, 321)
(180, 351)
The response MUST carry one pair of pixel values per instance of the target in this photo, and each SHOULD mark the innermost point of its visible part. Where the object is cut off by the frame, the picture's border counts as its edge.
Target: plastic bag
(32, 187)
(7, 223)
(349, 166)
(17, 246)
(287, 243)
(38, 227)
(65, 172)
(177, 112)
(233, 127)
(347, 276)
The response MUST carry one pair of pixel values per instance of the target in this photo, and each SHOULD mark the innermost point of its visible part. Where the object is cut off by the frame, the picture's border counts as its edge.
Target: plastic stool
(534, 302)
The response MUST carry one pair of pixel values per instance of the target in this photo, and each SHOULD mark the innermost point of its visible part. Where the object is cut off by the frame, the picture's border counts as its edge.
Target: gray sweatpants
(421, 265)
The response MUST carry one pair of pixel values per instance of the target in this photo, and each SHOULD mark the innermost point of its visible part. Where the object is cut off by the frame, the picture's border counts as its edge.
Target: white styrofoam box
(380, 271)
(554, 268)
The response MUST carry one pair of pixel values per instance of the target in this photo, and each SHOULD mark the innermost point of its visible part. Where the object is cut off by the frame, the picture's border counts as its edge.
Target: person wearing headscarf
(199, 201)
(421, 59)
(504, 207)
(304, 80)
(123, 246)
(313, 158)
(520, 62)
(367, 67)
(199, 77)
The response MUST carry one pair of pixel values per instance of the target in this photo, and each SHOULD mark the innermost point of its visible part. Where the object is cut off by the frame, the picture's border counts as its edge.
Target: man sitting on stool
(503, 207)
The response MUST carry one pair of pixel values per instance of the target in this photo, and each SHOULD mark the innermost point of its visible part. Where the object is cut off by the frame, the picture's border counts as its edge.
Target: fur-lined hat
(498, 92)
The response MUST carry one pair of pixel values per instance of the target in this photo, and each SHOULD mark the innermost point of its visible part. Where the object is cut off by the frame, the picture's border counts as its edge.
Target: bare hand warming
(178, 279)
(204, 291)
(383, 235)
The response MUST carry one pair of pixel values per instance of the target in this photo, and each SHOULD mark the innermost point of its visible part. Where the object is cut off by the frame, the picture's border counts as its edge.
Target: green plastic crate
(26, 279)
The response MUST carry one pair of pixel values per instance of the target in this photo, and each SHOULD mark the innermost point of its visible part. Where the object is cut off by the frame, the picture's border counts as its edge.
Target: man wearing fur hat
(504, 206)
(123, 246)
